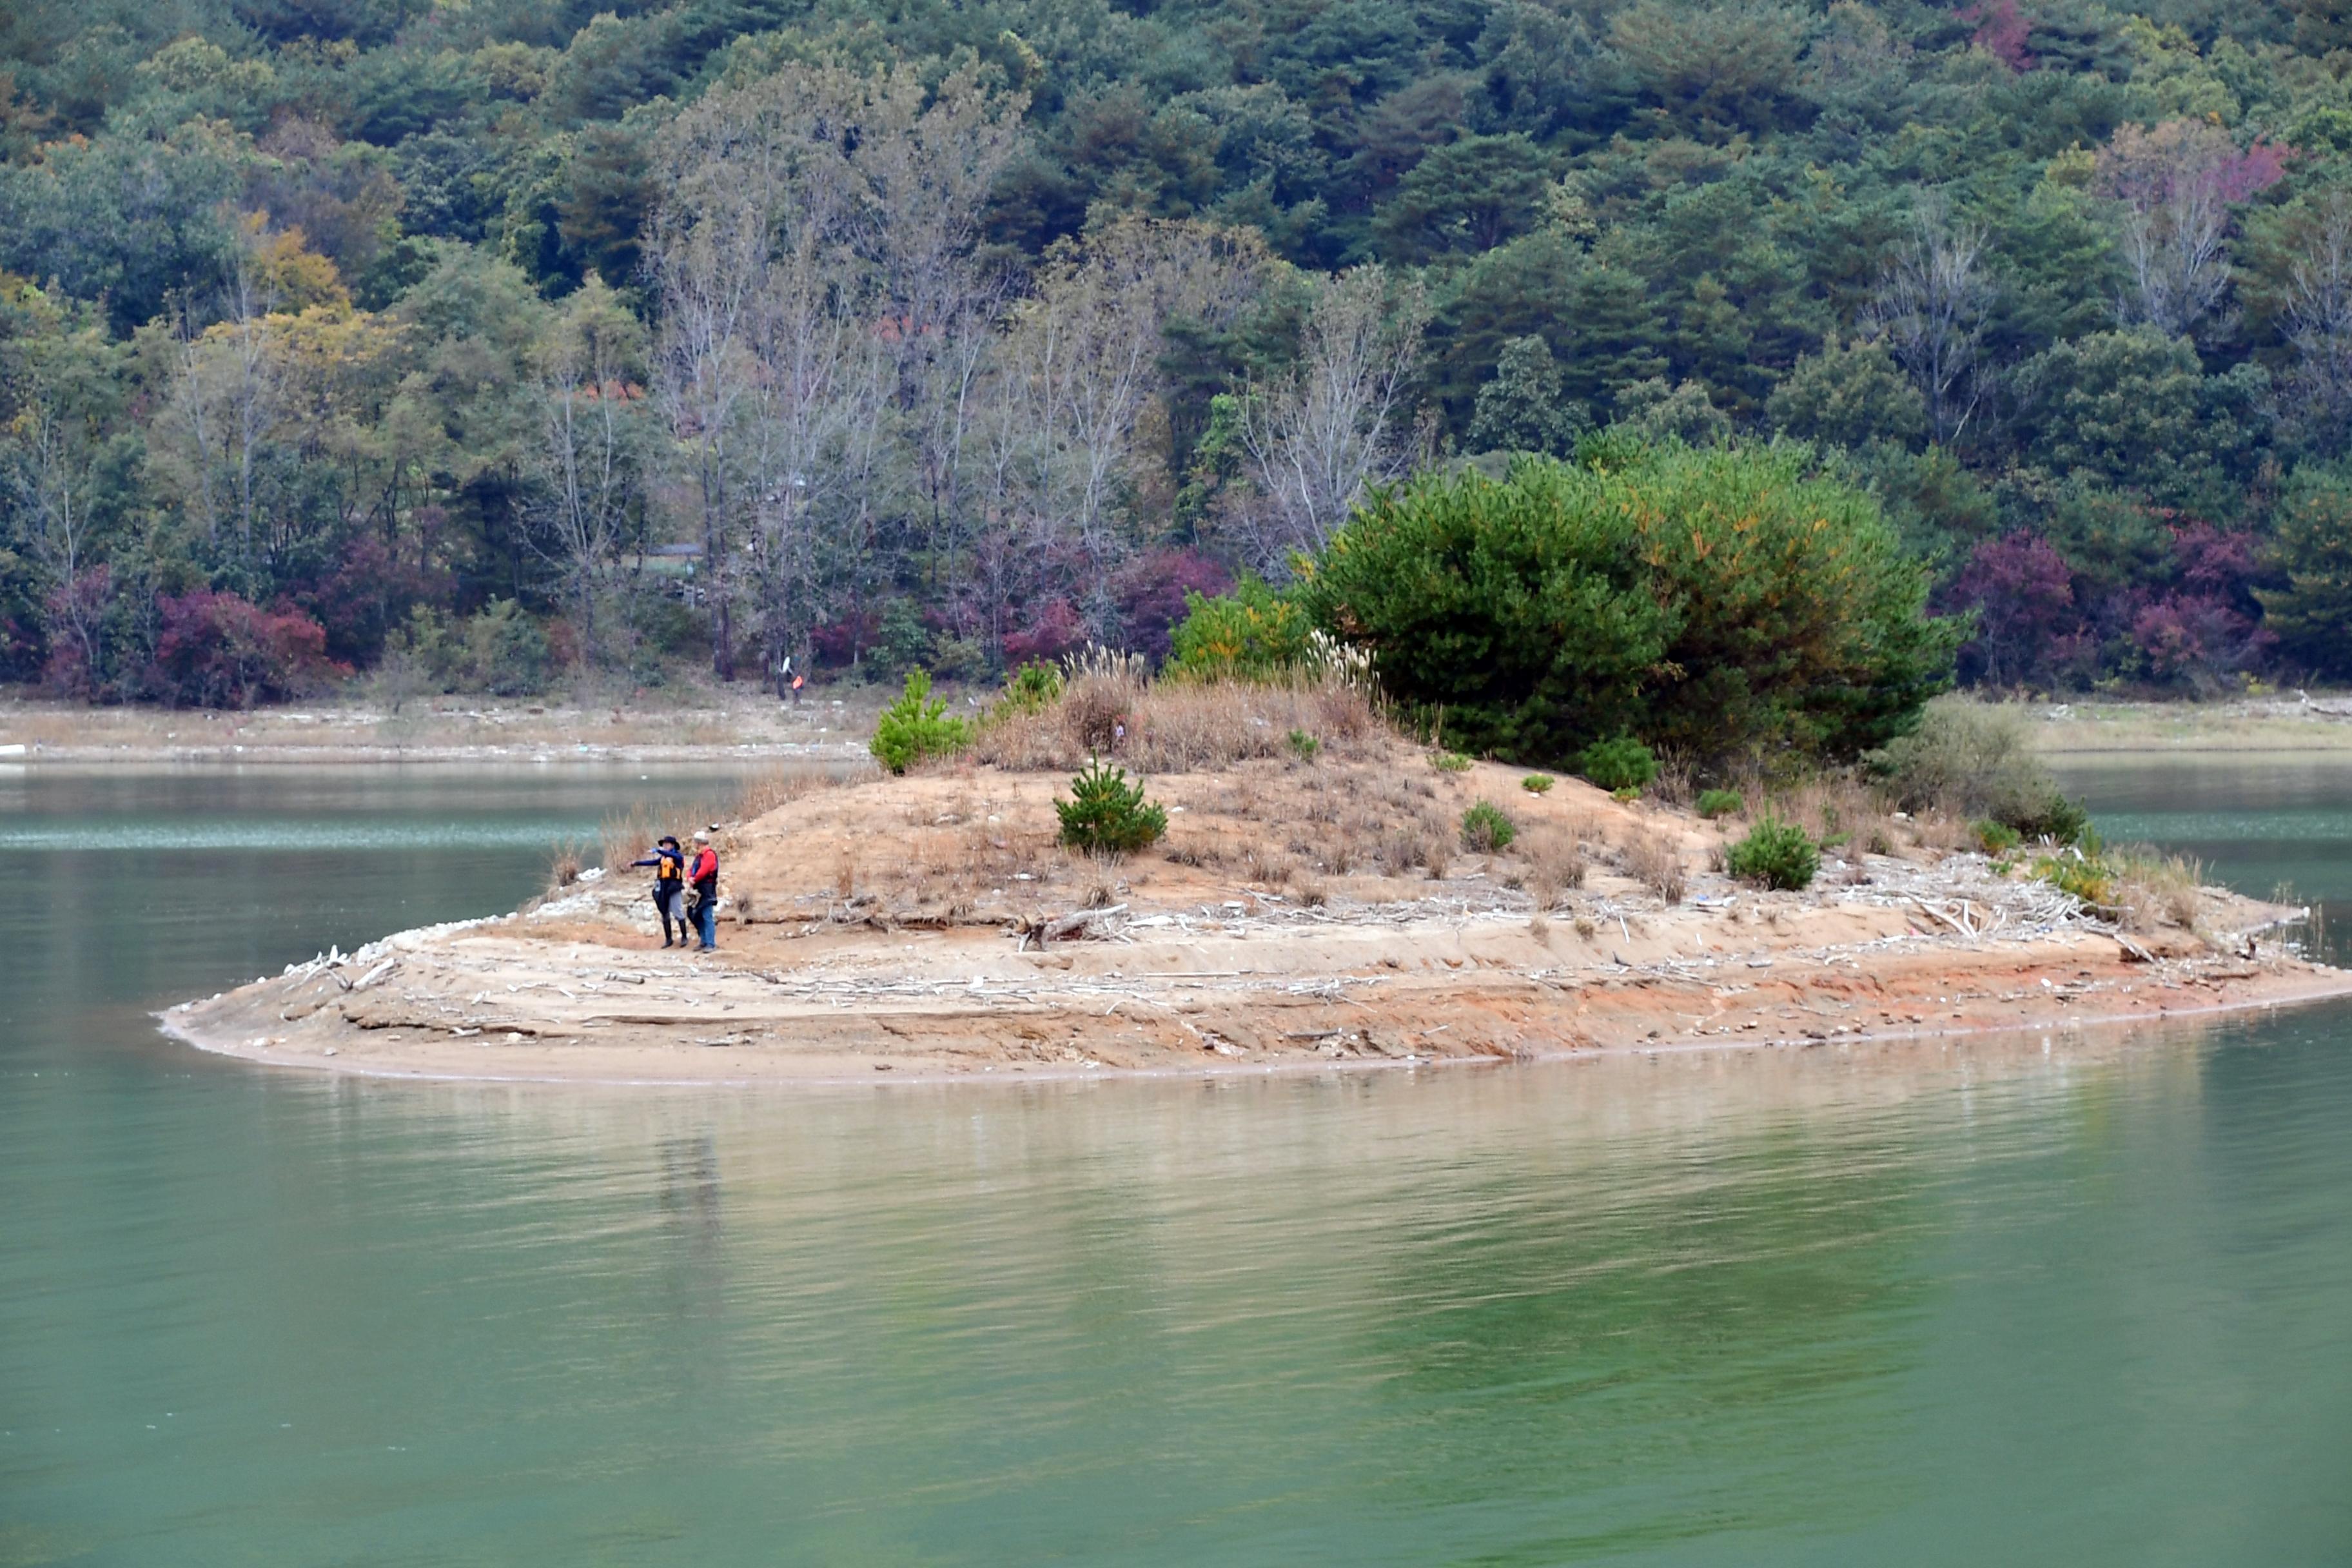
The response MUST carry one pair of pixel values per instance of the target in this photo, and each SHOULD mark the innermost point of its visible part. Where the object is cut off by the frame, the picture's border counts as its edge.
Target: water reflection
(1696, 1307)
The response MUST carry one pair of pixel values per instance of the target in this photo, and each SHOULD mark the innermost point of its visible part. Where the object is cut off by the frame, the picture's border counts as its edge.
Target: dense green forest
(487, 342)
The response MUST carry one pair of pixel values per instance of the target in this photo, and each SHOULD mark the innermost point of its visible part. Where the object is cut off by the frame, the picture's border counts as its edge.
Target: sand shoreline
(2329, 985)
(1374, 989)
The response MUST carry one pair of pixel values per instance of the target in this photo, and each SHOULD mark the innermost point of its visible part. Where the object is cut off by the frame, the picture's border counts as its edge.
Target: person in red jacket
(702, 876)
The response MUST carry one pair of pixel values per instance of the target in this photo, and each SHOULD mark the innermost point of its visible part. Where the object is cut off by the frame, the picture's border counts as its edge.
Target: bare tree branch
(1334, 426)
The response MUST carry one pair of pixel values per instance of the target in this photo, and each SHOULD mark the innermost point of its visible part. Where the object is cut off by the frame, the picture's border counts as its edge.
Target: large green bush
(499, 649)
(1976, 760)
(1710, 602)
(1252, 632)
(1622, 763)
(916, 726)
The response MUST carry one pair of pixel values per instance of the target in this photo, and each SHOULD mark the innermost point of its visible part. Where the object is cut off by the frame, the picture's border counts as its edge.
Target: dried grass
(1940, 831)
(1400, 850)
(628, 836)
(1556, 863)
(1835, 805)
(1656, 862)
(1436, 851)
(1180, 726)
(1673, 786)
(1095, 712)
(1202, 850)
(763, 793)
(1266, 866)
(2154, 889)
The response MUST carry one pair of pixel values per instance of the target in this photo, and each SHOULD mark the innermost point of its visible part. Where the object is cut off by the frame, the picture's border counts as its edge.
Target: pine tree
(1520, 408)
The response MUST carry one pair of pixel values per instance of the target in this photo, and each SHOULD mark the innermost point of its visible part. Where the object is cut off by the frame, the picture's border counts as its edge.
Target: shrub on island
(1975, 760)
(917, 727)
(1714, 803)
(1778, 855)
(1486, 827)
(1251, 634)
(1623, 764)
(1106, 815)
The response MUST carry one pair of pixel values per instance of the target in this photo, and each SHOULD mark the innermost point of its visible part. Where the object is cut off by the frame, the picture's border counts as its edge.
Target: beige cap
(702, 836)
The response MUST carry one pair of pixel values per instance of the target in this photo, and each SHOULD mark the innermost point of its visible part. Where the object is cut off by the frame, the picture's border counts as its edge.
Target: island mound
(1317, 900)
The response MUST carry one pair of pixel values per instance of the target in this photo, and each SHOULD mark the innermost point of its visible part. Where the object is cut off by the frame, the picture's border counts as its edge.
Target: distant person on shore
(703, 873)
(669, 862)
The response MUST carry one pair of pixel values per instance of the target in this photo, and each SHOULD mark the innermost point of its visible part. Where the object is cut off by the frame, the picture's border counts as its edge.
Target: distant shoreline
(849, 751)
(694, 724)
(2283, 725)
(743, 726)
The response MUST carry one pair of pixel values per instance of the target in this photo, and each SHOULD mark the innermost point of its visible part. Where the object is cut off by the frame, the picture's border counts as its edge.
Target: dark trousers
(706, 915)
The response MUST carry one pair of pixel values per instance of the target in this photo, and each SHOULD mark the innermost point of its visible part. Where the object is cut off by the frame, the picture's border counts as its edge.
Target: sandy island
(1298, 914)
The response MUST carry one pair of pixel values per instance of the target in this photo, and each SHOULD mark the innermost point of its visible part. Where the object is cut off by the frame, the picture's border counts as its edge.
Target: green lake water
(2003, 1301)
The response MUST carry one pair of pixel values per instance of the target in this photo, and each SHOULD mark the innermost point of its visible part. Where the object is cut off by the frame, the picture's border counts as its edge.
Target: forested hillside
(478, 342)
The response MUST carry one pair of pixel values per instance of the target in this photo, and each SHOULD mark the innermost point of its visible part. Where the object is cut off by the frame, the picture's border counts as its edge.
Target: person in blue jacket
(669, 887)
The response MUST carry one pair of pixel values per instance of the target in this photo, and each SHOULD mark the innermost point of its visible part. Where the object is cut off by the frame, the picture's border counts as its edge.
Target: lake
(2007, 1300)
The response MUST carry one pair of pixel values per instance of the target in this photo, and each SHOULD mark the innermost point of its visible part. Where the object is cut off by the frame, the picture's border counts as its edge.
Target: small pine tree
(917, 727)
(1107, 816)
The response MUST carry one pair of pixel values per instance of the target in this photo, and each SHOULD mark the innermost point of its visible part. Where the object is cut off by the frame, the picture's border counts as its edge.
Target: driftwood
(1076, 926)
(1963, 921)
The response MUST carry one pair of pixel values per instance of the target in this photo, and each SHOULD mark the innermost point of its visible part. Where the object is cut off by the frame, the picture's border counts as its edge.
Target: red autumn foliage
(1054, 628)
(220, 650)
(1151, 596)
(2002, 32)
(368, 595)
(2208, 625)
(2027, 620)
(77, 613)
